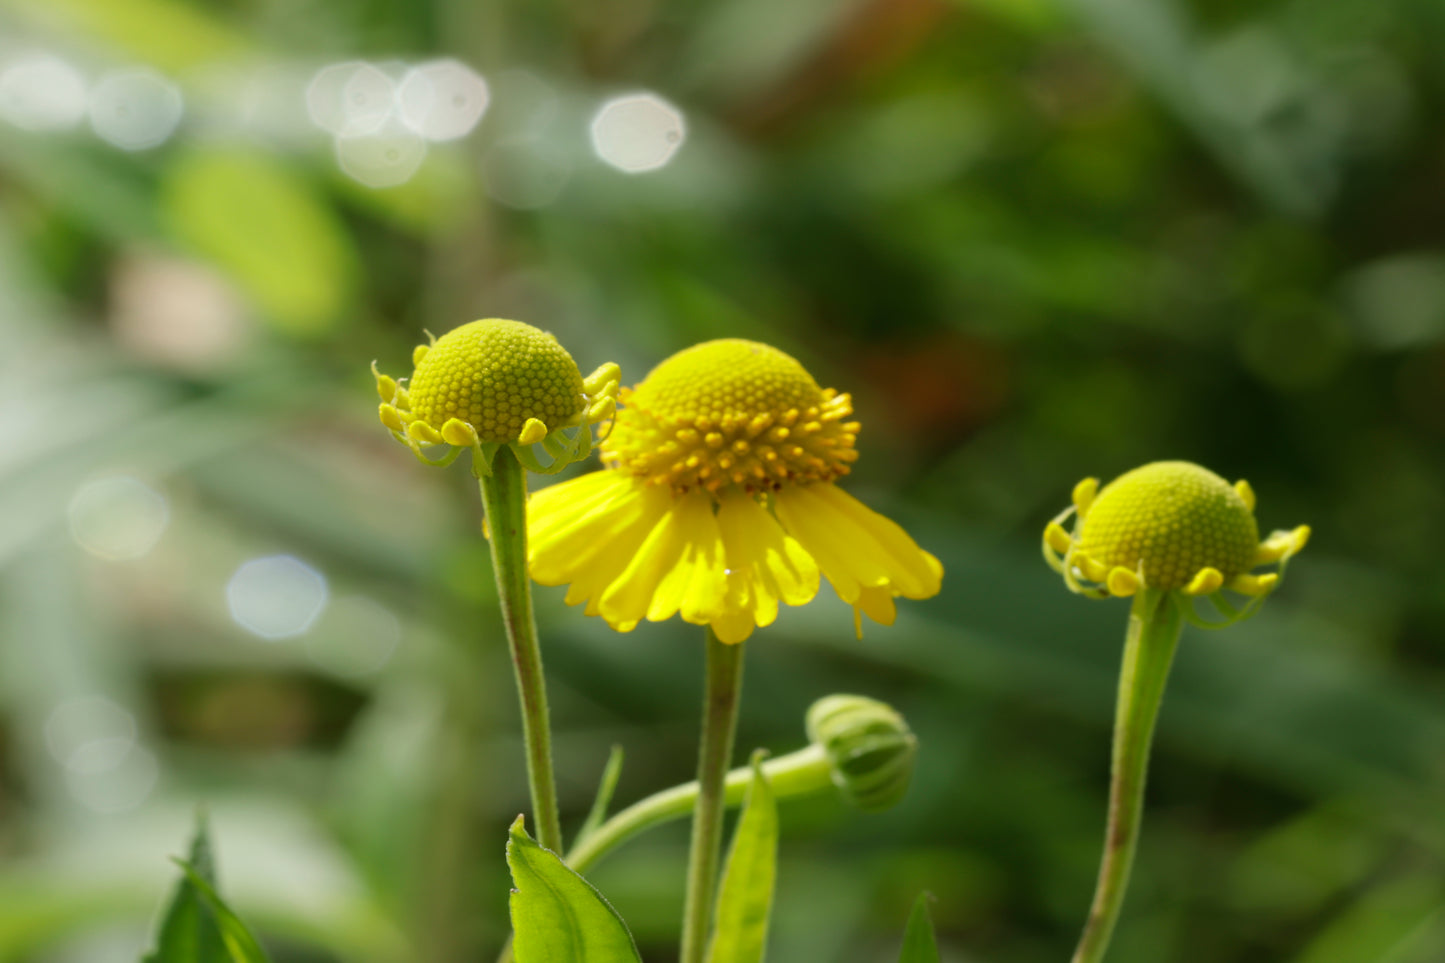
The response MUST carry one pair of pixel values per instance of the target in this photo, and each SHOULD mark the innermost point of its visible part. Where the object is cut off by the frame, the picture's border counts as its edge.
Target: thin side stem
(504, 498)
(1154, 625)
(800, 773)
(719, 724)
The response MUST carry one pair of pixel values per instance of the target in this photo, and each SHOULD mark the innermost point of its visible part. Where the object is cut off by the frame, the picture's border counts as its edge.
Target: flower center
(1166, 521)
(494, 375)
(732, 412)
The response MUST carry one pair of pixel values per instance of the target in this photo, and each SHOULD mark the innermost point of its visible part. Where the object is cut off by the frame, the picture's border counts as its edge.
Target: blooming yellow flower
(1171, 526)
(492, 383)
(718, 502)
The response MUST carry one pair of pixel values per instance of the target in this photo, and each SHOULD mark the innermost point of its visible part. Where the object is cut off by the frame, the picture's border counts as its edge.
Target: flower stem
(1154, 625)
(800, 773)
(504, 498)
(719, 723)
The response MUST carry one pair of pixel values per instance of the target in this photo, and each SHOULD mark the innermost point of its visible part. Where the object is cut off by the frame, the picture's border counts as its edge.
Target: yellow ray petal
(768, 565)
(867, 546)
(696, 585)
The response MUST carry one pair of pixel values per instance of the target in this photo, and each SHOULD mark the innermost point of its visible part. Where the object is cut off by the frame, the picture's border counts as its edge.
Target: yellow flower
(718, 503)
(492, 383)
(1171, 526)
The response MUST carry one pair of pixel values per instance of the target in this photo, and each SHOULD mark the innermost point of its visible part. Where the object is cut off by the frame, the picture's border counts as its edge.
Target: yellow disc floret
(1168, 521)
(496, 375)
(732, 413)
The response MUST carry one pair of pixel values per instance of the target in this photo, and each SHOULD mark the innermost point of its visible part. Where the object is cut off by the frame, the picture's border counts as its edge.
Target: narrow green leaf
(557, 916)
(241, 945)
(610, 774)
(189, 932)
(745, 898)
(919, 945)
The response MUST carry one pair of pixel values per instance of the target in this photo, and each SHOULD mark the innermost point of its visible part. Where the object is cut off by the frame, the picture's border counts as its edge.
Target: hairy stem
(1154, 625)
(504, 498)
(719, 723)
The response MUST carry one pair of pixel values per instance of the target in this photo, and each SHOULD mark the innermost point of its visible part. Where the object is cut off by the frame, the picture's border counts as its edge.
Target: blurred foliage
(1038, 239)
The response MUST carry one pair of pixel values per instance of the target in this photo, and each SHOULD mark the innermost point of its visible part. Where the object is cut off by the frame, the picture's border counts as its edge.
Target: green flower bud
(869, 746)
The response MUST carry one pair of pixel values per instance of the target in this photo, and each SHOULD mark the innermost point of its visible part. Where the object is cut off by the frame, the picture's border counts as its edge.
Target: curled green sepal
(557, 916)
(745, 899)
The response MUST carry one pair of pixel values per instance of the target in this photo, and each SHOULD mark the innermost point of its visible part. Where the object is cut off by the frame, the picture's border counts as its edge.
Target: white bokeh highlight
(41, 92)
(135, 109)
(117, 519)
(388, 158)
(442, 100)
(96, 742)
(276, 596)
(351, 98)
(637, 133)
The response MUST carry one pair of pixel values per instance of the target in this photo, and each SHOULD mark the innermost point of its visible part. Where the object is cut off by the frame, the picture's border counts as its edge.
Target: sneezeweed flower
(1163, 535)
(498, 389)
(719, 501)
(492, 383)
(1171, 526)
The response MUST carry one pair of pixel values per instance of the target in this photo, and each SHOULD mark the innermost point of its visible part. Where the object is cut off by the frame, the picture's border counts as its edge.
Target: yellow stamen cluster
(1170, 526)
(495, 382)
(732, 413)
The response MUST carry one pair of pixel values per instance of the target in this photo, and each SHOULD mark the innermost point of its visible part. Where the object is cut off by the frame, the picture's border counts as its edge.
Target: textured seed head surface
(732, 413)
(728, 377)
(494, 375)
(1166, 521)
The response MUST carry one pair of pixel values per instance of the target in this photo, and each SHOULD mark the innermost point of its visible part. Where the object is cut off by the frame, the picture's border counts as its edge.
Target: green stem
(800, 773)
(719, 723)
(504, 498)
(1154, 625)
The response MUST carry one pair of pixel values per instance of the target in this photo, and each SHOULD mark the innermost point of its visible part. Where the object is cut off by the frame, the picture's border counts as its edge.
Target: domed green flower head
(1171, 526)
(492, 383)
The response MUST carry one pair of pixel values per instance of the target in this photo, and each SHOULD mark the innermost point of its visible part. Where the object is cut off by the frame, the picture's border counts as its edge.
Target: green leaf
(241, 944)
(746, 897)
(605, 789)
(263, 224)
(919, 945)
(557, 916)
(198, 927)
(189, 932)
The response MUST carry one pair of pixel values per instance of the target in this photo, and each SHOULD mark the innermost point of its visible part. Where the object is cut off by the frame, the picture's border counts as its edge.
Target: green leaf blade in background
(268, 228)
(189, 930)
(919, 945)
(198, 926)
(557, 916)
(745, 899)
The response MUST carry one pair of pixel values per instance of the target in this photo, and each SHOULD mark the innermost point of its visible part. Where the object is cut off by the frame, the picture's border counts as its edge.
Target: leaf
(557, 916)
(198, 926)
(241, 944)
(605, 789)
(188, 931)
(263, 224)
(919, 945)
(746, 897)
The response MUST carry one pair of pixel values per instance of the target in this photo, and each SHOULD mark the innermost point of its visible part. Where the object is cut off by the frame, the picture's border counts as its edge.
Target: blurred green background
(1037, 239)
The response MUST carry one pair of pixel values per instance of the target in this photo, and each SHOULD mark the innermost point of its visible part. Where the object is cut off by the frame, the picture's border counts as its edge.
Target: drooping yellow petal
(634, 593)
(585, 530)
(766, 565)
(696, 585)
(856, 547)
(877, 604)
(733, 627)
